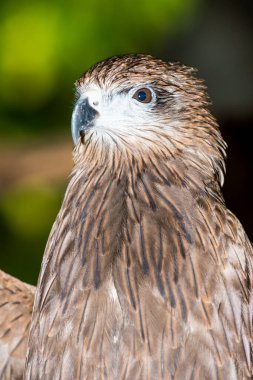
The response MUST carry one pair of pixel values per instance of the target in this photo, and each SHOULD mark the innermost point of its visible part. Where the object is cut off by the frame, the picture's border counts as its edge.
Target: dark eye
(143, 95)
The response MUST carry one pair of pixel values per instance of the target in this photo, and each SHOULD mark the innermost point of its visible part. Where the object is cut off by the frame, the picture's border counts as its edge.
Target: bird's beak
(82, 118)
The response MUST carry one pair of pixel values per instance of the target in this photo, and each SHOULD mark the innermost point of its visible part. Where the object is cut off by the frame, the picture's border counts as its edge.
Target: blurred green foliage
(26, 216)
(44, 47)
(22, 205)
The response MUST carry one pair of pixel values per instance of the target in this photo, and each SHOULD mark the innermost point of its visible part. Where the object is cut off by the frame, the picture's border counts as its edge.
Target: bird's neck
(110, 211)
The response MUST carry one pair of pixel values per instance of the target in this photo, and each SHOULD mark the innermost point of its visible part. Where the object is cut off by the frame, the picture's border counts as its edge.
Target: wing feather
(16, 303)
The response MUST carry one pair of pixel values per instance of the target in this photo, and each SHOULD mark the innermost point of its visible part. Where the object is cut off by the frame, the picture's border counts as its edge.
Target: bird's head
(142, 106)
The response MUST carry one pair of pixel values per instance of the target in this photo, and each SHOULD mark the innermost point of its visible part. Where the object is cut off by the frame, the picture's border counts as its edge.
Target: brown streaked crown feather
(146, 274)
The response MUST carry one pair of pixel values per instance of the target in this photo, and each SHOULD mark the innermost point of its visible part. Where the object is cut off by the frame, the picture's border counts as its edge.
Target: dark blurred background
(46, 45)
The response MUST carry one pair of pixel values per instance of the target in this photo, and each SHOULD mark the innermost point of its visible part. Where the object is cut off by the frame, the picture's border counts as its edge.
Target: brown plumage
(146, 274)
(16, 302)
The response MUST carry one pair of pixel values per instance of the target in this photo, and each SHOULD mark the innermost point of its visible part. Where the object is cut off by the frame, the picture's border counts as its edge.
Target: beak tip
(74, 130)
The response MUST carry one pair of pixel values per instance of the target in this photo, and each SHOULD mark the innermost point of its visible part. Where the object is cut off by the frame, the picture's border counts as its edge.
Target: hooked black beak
(82, 118)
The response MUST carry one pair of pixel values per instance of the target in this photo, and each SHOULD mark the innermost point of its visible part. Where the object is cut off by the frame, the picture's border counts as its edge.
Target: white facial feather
(120, 115)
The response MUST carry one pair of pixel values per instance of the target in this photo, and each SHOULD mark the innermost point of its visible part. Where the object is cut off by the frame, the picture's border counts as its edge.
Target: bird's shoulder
(16, 303)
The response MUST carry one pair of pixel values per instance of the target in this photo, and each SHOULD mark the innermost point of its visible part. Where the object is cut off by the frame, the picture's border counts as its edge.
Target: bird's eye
(143, 95)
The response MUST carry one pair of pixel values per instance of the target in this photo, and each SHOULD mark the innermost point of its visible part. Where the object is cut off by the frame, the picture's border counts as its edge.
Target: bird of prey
(146, 274)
